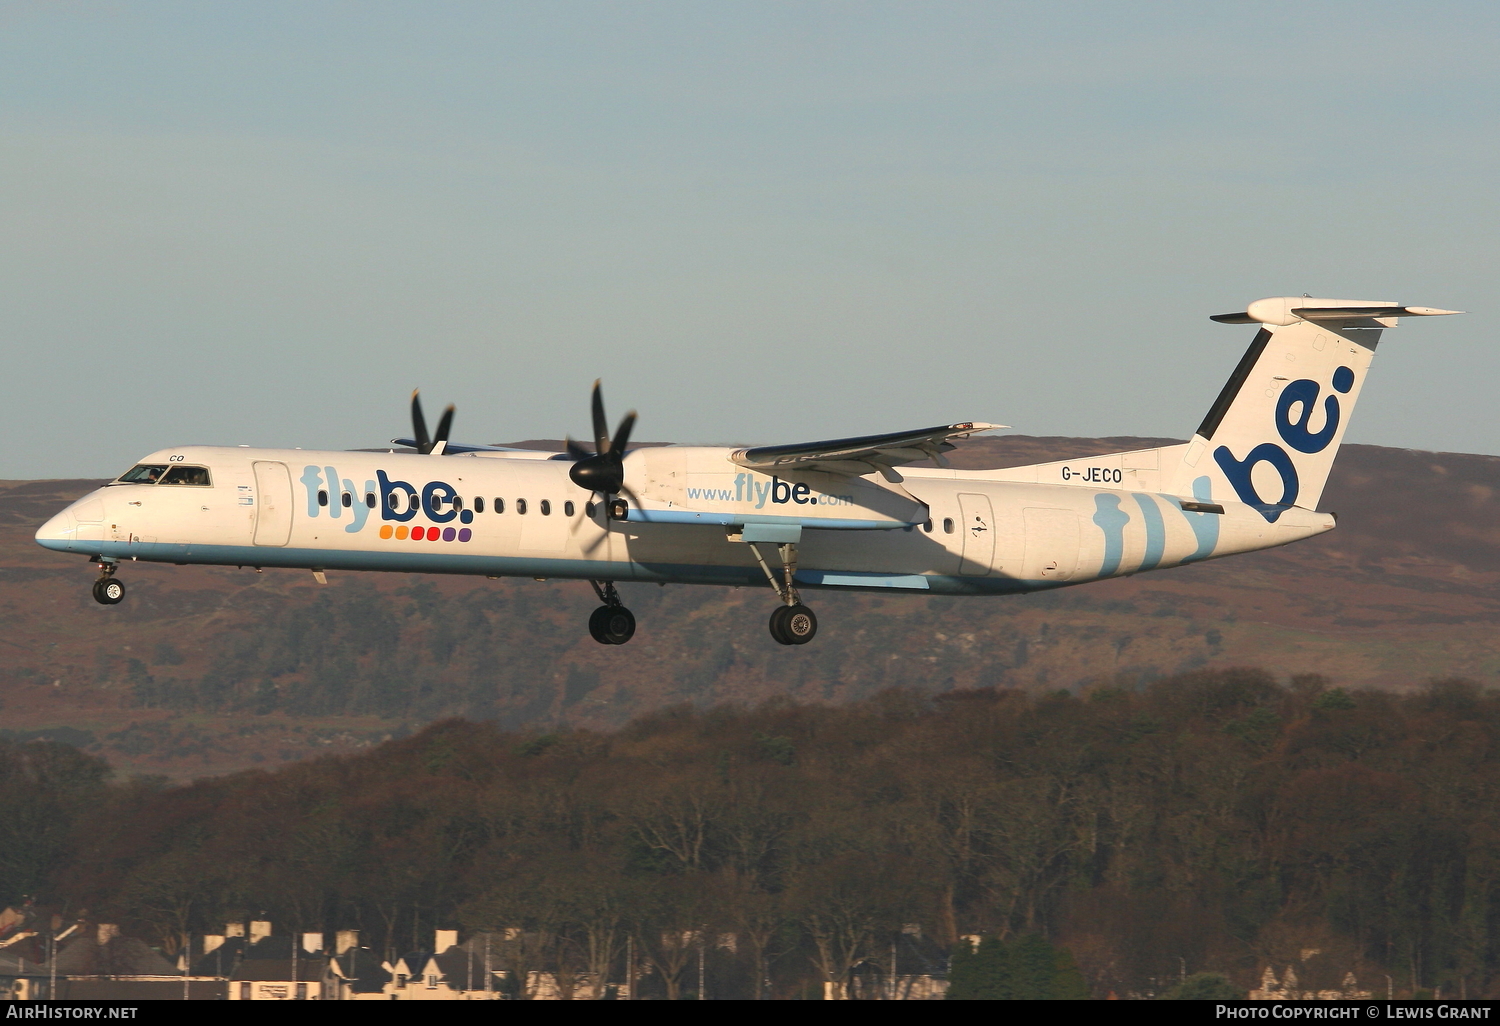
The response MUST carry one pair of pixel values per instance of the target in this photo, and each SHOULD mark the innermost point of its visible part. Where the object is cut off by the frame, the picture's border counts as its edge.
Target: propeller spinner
(602, 470)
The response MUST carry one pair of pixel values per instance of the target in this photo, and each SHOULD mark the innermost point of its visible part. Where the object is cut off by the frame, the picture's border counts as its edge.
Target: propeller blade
(419, 424)
(602, 470)
(601, 426)
(445, 424)
(588, 550)
(622, 435)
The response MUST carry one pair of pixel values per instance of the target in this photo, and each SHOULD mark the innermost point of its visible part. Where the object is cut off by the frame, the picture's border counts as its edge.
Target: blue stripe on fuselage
(417, 561)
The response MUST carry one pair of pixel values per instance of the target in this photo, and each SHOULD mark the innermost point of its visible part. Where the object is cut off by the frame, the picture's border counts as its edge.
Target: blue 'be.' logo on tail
(1304, 393)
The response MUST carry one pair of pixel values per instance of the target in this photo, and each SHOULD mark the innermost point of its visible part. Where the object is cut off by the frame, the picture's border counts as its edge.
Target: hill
(208, 670)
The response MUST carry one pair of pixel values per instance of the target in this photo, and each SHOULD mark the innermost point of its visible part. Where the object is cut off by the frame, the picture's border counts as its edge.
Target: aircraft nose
(57, 534)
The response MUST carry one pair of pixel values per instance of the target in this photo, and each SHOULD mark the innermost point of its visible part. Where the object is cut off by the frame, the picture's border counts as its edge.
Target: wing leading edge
(858, 456)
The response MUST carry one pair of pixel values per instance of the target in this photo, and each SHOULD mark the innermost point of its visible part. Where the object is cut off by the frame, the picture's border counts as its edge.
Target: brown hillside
(206, 670)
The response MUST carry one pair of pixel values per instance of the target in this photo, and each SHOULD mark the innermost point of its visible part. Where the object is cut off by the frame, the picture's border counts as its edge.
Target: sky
(265, 223)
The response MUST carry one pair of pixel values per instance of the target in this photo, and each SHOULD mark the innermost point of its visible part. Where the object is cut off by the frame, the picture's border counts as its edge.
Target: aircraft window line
(568, 508)
(546, 508)
(184, 475)
(478, 504)
(520, 507)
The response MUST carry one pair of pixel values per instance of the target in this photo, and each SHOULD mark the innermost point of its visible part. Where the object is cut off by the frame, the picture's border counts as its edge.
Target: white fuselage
(692, 513)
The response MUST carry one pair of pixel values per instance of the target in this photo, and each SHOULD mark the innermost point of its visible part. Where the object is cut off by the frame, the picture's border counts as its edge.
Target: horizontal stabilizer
(1284, 310)
(860, 455)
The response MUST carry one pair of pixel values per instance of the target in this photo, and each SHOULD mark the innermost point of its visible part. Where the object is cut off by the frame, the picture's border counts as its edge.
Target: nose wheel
(107, 590)
(611, 623)
(793, 625)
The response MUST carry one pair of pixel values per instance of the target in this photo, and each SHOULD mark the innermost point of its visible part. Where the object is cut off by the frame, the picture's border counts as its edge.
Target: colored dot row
(446, 534)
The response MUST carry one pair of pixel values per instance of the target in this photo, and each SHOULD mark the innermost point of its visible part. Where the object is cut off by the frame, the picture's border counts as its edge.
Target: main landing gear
(107, 590)
(611, 623)
(792, 623)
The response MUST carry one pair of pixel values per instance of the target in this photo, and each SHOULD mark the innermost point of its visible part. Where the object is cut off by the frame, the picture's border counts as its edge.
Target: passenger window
(478, 504)
(348, 500)
(322, 497)
(947, 525)
(370, 499)
(520, 507)
(187, 476)
(588, 510)
(458, 502)
(499, 505)
(928, 526)
(143, 473)
(546, 508)
(568, 508)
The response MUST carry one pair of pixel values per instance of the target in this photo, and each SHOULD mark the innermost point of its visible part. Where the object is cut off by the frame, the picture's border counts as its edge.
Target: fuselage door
(978, 526)
(273, 504)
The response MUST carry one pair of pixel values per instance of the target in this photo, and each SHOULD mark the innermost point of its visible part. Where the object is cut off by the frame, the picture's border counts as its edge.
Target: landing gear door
(978, 526)
(273, 504)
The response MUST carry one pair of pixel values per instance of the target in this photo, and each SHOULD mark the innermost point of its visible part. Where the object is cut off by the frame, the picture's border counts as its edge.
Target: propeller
(602, 470)
(435, 444)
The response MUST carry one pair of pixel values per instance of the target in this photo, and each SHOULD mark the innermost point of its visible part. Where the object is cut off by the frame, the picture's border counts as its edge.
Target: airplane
(850, 514)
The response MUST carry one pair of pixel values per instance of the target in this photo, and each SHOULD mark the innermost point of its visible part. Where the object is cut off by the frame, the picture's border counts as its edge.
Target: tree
(1025, 969)
(843, 904)
(1205, 987)
(670, 927)
(44, 787)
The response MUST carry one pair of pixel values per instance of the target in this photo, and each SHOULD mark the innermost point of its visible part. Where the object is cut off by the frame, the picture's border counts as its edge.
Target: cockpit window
(143, 473)
(180, 475)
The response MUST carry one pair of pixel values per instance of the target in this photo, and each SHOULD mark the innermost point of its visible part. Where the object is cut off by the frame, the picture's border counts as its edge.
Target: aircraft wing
(454, 448)
(857, 456)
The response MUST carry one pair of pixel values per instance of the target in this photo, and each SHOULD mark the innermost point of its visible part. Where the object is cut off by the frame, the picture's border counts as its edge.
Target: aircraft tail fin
(1270, 438)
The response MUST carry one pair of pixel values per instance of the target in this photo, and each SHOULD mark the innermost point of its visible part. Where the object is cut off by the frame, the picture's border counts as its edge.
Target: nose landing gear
(611, 623)
(107, 590)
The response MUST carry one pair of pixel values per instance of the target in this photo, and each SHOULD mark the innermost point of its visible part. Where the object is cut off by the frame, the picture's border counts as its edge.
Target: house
(357, 972)
(94, 962)
(1290, 988)
(270, 967)
(914, 969)
(450, 972)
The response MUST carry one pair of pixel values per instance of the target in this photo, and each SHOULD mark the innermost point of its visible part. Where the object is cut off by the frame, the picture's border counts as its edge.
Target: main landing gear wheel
(108, 591)
(793, 625)
(612, 625)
